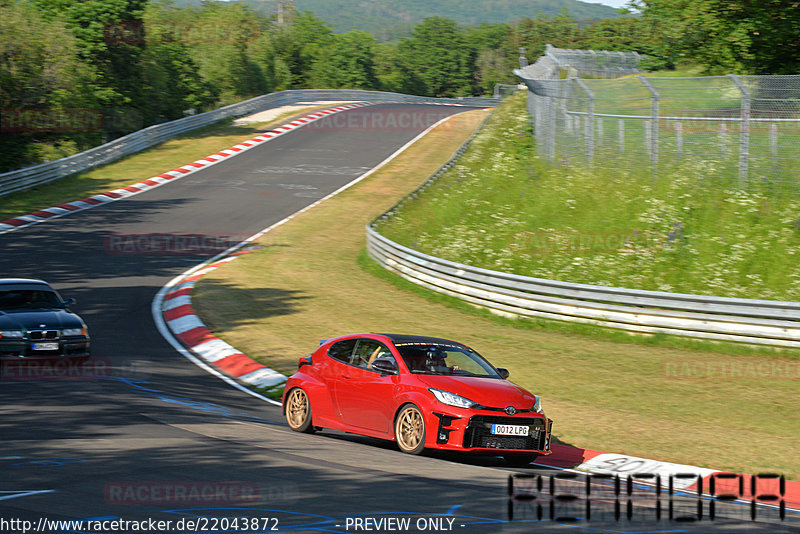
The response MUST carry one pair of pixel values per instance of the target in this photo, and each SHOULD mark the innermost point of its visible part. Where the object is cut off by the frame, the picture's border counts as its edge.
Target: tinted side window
(342, 350)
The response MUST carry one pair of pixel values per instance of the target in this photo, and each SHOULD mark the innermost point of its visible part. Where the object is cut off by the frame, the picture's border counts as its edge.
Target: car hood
(491, 392)
(34, 319)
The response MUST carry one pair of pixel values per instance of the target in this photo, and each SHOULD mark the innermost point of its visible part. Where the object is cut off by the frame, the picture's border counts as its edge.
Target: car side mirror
(385, 366)
(503, 372)
(70, 301)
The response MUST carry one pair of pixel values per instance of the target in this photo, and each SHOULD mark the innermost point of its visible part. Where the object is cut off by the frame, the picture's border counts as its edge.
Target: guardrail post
(744, 135)
(654, 124)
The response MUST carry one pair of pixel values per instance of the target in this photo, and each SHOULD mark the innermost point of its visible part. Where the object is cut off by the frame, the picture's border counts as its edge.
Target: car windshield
(445, 359)
(16, 299)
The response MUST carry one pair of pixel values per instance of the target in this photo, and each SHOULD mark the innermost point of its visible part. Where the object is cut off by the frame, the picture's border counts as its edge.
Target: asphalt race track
(148, 436)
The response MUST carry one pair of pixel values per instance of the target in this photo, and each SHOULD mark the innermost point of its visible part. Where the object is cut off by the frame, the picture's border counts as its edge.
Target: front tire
(409, 430)
(298, 411)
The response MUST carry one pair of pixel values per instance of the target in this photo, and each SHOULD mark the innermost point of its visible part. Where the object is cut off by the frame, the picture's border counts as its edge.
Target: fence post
(773, 142)
(589, 120)
(744, 136)
(654, 125)
(523, 61)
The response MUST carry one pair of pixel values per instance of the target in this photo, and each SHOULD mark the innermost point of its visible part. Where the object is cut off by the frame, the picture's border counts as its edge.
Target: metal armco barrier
(27, 177)
(718, 318)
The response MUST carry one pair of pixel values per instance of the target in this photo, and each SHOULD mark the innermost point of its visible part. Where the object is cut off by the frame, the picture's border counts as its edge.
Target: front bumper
(471, 430)
(25, 348)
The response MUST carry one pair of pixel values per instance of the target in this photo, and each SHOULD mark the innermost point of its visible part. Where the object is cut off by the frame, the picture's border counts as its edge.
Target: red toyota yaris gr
(422, 392)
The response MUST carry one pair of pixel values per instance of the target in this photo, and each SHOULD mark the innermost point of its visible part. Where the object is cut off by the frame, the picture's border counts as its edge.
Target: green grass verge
(726, 409)
(503, 208)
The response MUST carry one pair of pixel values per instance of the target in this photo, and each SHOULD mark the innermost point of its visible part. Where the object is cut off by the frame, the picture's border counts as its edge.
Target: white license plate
(510, 430)
(45, 346)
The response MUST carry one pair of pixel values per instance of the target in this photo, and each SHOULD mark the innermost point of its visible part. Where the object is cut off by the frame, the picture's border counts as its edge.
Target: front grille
(479, 433)
(42, 334)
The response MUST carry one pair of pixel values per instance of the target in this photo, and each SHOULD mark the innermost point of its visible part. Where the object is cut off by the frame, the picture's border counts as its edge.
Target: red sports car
(422, 392)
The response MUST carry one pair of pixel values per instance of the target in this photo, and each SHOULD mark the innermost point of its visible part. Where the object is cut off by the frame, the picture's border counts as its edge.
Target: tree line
(76, 74)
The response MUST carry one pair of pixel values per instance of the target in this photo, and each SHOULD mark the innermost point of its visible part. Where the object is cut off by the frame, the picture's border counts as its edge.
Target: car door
(336, 362)
(365, 396)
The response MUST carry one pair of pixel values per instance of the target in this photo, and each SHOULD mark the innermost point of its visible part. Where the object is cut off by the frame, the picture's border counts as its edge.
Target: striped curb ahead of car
(55, 212)
(189, 329)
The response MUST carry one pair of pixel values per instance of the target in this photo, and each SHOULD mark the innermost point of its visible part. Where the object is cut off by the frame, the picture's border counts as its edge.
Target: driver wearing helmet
(435, 361)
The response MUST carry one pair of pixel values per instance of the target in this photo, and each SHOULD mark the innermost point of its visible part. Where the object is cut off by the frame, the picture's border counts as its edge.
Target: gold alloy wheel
(298, 410)
(409, 430)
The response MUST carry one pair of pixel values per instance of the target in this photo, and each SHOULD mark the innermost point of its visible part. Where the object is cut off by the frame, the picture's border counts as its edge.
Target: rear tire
(409, 430)
(298, 411)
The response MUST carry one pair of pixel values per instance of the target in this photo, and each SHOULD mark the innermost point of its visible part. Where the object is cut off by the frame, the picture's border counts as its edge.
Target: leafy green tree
(298, 44)
(440, 59)
(730, 36)
(389, 68)
(171, 78)
(493, 62)
(39, 69)
(218, 37)
(119, 79)
(172, 81)
(348, 61)
(533, 34)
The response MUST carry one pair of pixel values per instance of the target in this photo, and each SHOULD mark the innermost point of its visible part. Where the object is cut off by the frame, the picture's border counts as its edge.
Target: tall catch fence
(744, 128)
(27, 177)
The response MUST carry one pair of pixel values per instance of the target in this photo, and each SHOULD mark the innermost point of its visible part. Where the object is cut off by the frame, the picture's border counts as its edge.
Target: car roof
(400, 339)
(26, 283)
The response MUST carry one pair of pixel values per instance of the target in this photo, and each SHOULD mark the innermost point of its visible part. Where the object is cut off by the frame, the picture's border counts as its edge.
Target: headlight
(537, 404)
(73, 332)
(10, 333)
(451, 399)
